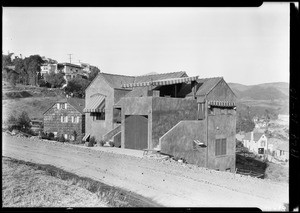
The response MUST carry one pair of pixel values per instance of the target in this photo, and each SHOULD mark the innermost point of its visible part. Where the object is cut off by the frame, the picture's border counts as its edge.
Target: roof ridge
(160, 73)
(117, 74)
(210, 78)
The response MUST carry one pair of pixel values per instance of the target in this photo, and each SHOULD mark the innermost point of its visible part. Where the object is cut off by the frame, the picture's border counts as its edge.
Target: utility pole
(70, 57)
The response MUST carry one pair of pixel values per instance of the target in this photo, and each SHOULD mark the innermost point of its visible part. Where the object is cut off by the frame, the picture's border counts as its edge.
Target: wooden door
(136, 132)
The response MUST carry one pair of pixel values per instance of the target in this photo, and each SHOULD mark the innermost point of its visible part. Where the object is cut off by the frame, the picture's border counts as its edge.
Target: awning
(95, 104)
(169, 81)
(222, 103)
(85, 137)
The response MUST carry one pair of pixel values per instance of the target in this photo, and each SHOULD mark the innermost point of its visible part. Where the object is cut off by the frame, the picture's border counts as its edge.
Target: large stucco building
(182, 116)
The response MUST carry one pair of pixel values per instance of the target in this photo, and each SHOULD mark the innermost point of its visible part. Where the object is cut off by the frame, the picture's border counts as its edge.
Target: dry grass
(277, 172)
(28, 184)
(24, 186)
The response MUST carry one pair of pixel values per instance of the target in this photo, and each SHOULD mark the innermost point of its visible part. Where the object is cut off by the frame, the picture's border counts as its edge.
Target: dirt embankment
(167, 183)
(24, 186)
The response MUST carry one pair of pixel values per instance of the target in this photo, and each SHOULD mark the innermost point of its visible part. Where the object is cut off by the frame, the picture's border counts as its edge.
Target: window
(201, 111)
(66, 136)
(58, 105)
(261, 151)
(55, 134)
(72, 119)
(65, 105)
(220, 147)
(77, 121)
(64, 119)
(98, 115)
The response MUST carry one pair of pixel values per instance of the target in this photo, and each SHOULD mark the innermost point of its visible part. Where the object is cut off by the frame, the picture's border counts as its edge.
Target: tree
(55, 79)
(94, 73)
(77, 86)
(24, 121)
(33, 67)
(244, 123)
(6, 60)
(20, 69)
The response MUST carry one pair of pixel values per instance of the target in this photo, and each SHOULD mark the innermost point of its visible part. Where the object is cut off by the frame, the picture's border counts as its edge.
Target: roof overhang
(222, 103)
(169, 81)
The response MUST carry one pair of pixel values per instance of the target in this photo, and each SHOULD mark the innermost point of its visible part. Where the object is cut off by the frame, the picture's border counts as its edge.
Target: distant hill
(267, 91)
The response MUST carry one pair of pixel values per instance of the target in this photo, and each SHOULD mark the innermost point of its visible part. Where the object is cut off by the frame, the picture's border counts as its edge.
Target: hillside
(267, 91)
(33, 100)
(271, 96)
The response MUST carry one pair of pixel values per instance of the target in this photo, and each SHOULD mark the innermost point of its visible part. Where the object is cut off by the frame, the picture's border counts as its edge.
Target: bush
(111, 143)
(51, 135)
(102, 142)
(62, 139)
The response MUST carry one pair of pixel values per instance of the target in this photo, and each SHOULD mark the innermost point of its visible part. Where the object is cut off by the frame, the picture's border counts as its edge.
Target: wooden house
(66, 118)
(256, 142)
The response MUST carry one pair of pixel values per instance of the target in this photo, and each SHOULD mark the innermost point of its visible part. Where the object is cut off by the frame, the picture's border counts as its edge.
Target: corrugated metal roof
(222, 103)
(161, 82)
(155, 77)
(95, 104)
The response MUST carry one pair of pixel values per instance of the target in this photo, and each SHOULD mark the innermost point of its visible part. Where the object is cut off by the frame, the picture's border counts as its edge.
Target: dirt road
(168, 183)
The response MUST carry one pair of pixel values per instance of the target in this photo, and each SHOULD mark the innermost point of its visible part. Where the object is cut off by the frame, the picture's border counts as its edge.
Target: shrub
(111, 143)
(62, 138)
(102, 142)
(92, 140)
(51, 135)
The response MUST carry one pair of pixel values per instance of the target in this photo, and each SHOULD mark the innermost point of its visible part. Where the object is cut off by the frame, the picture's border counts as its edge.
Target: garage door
(136, 132)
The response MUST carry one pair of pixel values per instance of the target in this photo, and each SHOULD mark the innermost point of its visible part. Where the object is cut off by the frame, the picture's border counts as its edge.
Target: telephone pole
(70, 57)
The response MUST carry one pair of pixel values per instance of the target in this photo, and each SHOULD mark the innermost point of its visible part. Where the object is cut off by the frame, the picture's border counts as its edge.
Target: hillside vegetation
(34, 100)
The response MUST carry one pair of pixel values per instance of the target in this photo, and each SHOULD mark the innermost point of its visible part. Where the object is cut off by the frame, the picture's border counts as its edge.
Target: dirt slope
(167, 183)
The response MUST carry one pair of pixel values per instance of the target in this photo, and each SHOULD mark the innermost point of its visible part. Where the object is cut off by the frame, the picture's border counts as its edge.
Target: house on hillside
(182, 116)
(256, 142)
(66, 118)
(278, 149)
(71, 70)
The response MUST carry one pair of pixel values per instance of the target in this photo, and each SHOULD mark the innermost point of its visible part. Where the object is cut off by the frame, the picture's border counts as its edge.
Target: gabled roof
(77, 103)
(247, 136)
(116, 81)
(207, 84)
(256, 136)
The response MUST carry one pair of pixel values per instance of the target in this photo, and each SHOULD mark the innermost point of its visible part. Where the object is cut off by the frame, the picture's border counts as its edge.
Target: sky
(244, 45)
